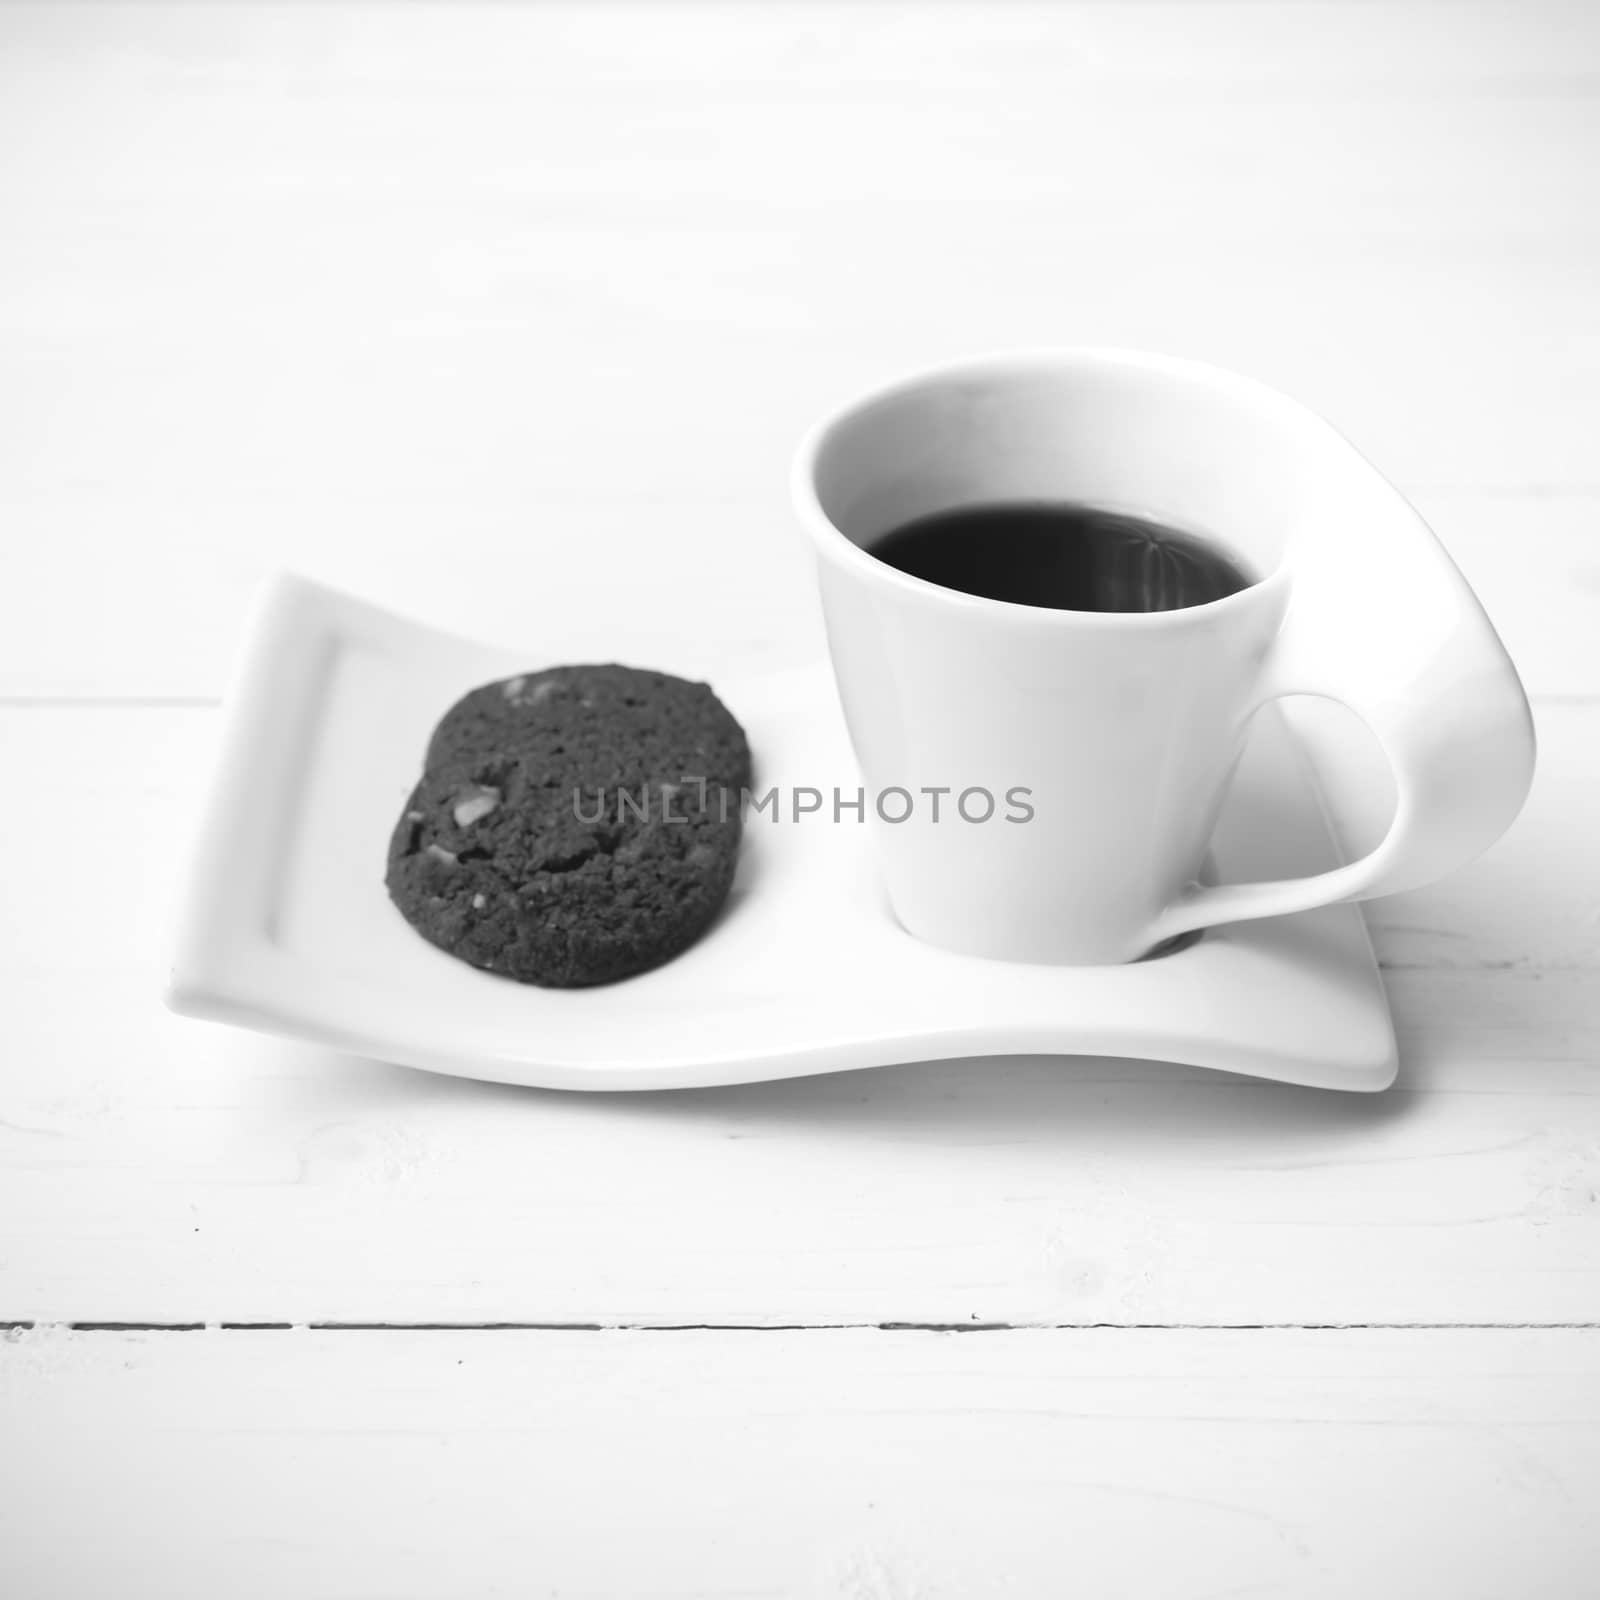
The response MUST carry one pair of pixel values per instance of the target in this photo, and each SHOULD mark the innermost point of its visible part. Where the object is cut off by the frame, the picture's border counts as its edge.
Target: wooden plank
(154, 1168)
(852, 1465)
(166, 1175)
(582, 579)
(512, 316)
(1532, 903)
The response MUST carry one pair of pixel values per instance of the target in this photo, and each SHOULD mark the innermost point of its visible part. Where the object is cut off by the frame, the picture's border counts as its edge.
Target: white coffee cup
(1125, 727)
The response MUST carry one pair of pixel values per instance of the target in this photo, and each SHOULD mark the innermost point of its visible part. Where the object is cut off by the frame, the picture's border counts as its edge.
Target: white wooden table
(484, 311)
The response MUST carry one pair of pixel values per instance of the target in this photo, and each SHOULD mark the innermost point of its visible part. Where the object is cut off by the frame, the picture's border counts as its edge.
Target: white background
(508, 317)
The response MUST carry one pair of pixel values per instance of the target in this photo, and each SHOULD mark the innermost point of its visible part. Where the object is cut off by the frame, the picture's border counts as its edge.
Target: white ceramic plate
(285, 925)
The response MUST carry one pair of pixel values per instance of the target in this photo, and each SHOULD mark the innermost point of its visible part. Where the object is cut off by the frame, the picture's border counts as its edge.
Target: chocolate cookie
(572, 826)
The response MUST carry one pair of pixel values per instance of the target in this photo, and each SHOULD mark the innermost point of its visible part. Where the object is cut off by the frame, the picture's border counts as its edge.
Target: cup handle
(1403, 643)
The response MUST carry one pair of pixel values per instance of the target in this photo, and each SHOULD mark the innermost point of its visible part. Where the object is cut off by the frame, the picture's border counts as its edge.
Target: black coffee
(1070, 557)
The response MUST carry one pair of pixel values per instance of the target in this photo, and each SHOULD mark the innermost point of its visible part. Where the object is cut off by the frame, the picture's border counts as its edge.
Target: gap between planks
(204, 702)
(26, 1325)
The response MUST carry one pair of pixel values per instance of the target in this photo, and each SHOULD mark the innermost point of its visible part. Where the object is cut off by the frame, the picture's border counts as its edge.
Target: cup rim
(833, 543)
